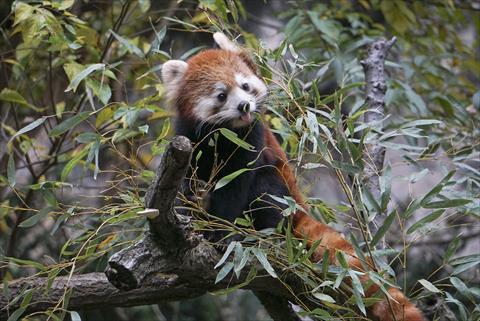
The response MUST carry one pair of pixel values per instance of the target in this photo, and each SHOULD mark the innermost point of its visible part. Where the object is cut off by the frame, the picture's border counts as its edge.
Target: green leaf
(130, 47)
(72, 163)
(459, 285)
(224, 271)
(87, 137)
(427, 219)
(29, 127)
(421, 122)
(159, 36)
(384, 228)
(27, 263)
(452, 248)
(463, 267)
(68, 124)
(437, 188)
(191, 52)
(229, 250)
(11, 175)
(241, 258)
(323, 297)
(429, 286)
(27, 297)
(14, 97)
(233, 137)
(447, 203)
(82, 75)
(227, 179)
(262, 258)
(31, 221)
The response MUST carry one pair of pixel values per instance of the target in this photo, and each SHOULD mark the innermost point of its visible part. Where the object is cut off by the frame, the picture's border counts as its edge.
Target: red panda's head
(216, 86)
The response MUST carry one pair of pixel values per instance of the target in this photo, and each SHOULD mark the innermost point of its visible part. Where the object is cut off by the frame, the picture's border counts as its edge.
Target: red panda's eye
(245, 87)
(222, 97)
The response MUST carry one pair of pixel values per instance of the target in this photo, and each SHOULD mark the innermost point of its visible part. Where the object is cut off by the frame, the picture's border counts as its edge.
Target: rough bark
(374, 68)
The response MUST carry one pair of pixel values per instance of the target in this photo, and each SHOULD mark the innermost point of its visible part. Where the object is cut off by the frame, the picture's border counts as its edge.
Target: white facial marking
(256, 84)
(248, 88)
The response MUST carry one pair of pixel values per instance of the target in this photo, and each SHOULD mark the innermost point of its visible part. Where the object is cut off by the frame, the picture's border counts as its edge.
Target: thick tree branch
(170, 263)
(374, 68)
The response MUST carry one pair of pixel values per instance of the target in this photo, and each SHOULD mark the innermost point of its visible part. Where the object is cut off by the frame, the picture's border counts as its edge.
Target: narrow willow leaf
(323, 297)
(447, 203)
(223, 272)
(191, 52)
(68, 124)
(17, 314)
(437, 188)
(463, 267)
(14, 97)
(82, 75)
(227, 179)
(384, 228)
(241, 259)
(459, 285)
(31, 221)
(229, 250)
(262, 258)
(127, 44)
(451, 249)
(11, 175)
(356, 282)
(429, 286)
(72, 163)
(359, 300)
(21, 262)
(427, 219)
(233, 137)
(421, 122)
(29, 127)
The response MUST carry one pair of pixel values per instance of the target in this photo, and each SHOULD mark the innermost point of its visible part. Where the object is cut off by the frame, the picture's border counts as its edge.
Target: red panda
(220, 88)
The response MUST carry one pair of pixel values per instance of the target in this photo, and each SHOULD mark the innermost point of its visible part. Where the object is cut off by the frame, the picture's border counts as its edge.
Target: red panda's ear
(172, 73)
(173, 70)
(224, 43)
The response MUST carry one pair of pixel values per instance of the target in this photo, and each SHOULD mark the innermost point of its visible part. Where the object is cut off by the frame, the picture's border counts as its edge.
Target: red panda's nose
(244, 106)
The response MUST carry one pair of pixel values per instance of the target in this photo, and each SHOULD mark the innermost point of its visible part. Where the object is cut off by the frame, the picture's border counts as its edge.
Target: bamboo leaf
(429, 286)
(262, 258)
(224, 271)
(427, 219)
(229, 250)
(227, 179)
(31, 221)
(233, 137)
(82, 75)
(384, 228)
(447, 203)
(68, 124)
(29, 127)
(11, 175)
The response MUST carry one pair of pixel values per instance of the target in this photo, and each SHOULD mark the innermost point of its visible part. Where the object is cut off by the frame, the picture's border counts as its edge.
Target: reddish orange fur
(205, 69)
